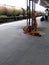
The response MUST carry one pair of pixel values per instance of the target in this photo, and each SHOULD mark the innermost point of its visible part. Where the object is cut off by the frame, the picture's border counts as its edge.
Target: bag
(42, 19)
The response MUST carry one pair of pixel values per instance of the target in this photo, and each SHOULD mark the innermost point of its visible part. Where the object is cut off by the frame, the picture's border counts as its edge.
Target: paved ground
(17, 48)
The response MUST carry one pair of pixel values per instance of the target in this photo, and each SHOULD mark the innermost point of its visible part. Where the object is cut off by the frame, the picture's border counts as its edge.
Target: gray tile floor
(17, 48)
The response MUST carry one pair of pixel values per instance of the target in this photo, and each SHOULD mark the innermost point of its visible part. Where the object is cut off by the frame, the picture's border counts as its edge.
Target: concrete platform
(17, 48)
